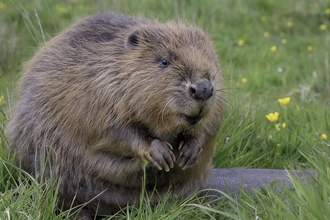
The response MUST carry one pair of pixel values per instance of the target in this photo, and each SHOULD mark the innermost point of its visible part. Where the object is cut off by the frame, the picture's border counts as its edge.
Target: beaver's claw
(160, 155)
(189, 150)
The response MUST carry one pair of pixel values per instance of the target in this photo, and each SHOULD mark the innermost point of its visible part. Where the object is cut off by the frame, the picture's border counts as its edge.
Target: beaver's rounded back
(113, 94)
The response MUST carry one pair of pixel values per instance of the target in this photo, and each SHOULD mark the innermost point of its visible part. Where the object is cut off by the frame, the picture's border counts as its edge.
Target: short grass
(268, 50)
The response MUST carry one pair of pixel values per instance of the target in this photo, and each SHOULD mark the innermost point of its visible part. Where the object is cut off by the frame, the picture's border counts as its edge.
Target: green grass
(243, 33)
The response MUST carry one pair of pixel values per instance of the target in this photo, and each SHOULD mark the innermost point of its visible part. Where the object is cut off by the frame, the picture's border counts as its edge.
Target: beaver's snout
(194, 110)
(201, 90)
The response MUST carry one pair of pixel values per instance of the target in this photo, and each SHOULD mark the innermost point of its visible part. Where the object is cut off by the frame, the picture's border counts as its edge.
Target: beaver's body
(111, 94)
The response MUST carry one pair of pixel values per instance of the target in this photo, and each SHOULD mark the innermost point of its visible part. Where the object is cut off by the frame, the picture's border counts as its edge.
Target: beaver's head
(174, 78)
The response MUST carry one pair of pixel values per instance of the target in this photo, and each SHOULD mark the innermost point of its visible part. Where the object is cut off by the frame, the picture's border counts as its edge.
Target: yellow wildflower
(309, 48)
(2, 6)
(262, 18)
(283, 41)
(289, 24)
(273, 48)
(272, 117)
(277, 126)
(240, 42)
(327, 11)
(244, 80)
(284, 125)
(323, 27)
(324, 137)
(266, 34)
(284, 101)
(61, 10)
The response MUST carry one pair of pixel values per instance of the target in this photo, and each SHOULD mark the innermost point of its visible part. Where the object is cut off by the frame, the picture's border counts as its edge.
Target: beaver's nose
(201, 90)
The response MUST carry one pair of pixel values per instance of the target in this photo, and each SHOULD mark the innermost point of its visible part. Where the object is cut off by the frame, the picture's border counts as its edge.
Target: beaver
(114, 98)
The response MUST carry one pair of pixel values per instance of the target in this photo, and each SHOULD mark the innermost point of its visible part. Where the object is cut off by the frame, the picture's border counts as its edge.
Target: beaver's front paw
(160, 155)
(189, 150)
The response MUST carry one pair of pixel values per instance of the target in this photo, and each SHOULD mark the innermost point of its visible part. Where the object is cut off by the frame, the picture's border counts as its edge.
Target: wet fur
(95, 97)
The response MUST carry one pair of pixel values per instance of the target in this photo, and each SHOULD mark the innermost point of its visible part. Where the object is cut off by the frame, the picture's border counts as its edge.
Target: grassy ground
(268, 50)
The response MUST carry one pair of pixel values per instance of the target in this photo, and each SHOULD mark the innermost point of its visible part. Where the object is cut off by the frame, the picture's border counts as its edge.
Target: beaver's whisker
(163, 116)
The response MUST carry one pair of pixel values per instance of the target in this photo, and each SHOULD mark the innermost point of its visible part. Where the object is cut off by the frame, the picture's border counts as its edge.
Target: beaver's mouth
(191, 120)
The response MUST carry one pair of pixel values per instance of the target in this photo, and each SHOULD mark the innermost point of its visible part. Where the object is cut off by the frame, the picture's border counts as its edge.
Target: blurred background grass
(267, 49)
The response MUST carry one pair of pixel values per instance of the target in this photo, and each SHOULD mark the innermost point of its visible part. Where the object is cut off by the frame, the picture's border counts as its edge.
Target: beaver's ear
(133, 39)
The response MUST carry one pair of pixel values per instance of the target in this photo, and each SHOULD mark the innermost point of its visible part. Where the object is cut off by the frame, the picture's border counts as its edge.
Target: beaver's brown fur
(113, 93)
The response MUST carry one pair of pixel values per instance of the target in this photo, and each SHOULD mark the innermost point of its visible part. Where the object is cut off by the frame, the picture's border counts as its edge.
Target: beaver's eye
(164, 63)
